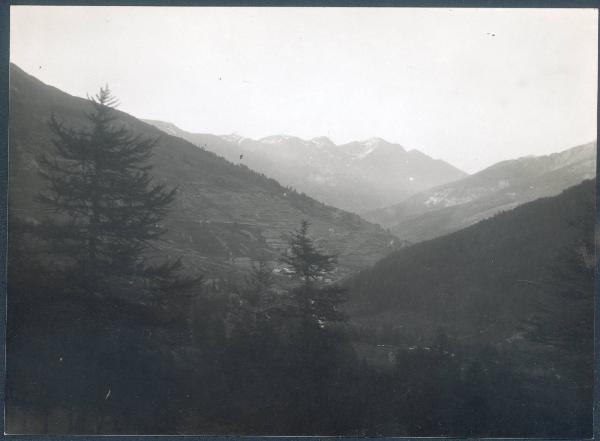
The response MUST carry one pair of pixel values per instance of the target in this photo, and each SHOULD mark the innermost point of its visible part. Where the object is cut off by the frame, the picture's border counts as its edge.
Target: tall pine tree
(118, 310)
(105, 208)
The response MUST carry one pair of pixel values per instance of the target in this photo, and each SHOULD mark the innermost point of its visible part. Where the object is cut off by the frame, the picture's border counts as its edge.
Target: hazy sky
(470, 86)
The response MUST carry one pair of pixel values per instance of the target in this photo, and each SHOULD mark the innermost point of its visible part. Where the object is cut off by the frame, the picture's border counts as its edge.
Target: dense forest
(111, 337)
(516, 290)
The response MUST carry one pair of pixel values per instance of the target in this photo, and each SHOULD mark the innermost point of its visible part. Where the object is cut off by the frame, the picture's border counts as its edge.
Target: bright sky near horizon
(470, 86)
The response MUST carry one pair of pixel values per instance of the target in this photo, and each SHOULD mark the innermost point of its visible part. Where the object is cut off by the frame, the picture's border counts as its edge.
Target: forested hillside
(156, 288)
(225, 215)
(482, 277)
(519, 285)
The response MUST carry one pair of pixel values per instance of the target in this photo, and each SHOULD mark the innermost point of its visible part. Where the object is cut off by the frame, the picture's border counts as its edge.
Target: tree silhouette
(117, 308)
(321, 349)
(317, 300)
(99, 186)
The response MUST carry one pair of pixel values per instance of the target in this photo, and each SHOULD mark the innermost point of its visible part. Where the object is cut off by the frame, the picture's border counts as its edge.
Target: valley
(306, 267)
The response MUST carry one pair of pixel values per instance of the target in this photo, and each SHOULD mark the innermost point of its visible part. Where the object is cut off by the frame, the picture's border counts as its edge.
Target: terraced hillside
(225, 215)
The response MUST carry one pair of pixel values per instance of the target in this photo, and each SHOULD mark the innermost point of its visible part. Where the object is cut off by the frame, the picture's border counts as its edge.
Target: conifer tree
(103, 213)
(320, 349)
(316, 299)
(106, 209)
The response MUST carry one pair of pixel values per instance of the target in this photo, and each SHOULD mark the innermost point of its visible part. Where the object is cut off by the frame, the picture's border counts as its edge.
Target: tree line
(105, 337)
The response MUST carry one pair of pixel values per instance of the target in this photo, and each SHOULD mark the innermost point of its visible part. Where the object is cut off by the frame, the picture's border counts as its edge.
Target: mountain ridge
(502, 186)
(483, 275)
(225, 215)
(355, 176)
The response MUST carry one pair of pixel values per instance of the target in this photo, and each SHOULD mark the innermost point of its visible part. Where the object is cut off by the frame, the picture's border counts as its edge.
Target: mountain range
(357, 176)
(501, 187)
(446, 317)
(481, 282)
(225, 215)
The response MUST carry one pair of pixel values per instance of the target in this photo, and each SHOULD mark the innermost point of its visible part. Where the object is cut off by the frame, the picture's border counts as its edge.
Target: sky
(469, 86)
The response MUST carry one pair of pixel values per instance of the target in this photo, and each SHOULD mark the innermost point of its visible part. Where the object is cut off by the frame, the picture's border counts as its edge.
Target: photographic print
(317, 221)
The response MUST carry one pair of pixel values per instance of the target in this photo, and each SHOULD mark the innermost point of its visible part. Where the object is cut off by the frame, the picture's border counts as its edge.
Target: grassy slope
(224, 215)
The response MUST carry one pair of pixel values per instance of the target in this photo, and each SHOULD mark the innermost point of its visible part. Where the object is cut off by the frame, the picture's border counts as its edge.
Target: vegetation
(99, 298)
(518, 286)
(463, 335)
(223, 213)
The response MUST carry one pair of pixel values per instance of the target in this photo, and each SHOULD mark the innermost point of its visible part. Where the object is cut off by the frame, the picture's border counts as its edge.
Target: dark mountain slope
(225, 214)
(357, 176)
(503, 186)
(480, 282)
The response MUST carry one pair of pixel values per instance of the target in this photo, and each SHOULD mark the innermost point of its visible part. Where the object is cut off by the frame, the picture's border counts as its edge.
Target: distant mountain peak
(374, 142)
(233, 137)
(379, 148)
(275, 139)
(358, 176)
(323, 141)
(165, 126)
